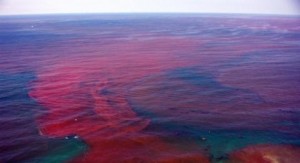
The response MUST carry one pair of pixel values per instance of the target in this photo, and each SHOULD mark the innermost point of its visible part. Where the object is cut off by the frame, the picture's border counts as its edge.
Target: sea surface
(150, 88)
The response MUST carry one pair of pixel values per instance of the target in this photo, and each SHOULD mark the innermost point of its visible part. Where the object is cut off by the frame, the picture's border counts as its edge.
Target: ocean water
(150, 88)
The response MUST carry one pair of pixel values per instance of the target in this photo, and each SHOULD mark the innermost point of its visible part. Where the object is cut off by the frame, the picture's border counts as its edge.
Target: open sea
(150, 88)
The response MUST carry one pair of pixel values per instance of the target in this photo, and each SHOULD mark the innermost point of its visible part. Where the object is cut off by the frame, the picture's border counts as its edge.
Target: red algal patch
(72, 91)
(266, 154)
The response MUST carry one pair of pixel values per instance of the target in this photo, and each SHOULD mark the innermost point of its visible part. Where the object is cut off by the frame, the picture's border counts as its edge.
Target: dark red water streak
(267, 154)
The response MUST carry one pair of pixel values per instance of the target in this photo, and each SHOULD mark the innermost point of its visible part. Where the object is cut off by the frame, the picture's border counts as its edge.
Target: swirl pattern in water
(149, 88)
